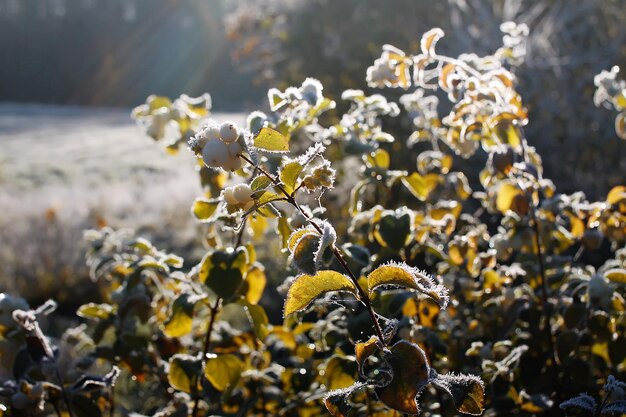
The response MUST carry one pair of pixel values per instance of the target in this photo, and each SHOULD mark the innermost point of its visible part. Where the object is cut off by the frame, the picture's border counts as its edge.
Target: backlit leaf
(202, 208)
(183, 371)
(404, 276)
(95, 311)
(303, 253)
(421, 185)
(340, 372)
(271, 140)
(429, 40)
(467, 392)
(256, 280)
(307, 288)
(223, 271)
(506, 194)
(181, 319)
(224, 371)
(289, 175)
(616, 275)
(410, 376)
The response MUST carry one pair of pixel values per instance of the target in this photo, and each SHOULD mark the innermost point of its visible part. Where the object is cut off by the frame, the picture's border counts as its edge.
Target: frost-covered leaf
(405, 276)
(467, 391)
(410, 376)
(304, 253)
(271, 140)
(583, 401)
(95, 311)
(429, 40)
(307, 288)
(203, 208)
(289, 174)
(616, 275)
(617, 407)
(259, 183)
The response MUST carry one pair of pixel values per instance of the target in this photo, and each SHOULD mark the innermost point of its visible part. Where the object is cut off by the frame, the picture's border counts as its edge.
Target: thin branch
(205, 351)
(364, 298)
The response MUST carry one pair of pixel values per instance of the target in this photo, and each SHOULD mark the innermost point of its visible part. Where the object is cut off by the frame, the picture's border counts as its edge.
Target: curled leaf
(410, 376)
(403, 275)
(467, 391)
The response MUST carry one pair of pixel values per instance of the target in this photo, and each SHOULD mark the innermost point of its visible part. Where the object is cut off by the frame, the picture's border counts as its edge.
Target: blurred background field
(75, 159)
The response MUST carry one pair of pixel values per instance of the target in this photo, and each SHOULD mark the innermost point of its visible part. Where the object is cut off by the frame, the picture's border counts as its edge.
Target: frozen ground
(64, 169)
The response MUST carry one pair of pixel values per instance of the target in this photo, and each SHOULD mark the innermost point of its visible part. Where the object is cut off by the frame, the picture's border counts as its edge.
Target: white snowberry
(215, 153)
(229, 132)
(229, 196)
(235, 149)
(232, 164)
(242, 192)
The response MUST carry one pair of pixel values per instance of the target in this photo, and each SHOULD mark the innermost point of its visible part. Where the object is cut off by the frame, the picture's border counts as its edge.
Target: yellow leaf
(256, 280)
(271, 140)
(616, 195)
(203, 209)
(183, 370)
(421, 186)
(404, 276)
(289, 175)
(616, 275)
(224, 371)
(429, 40)
(505, 196)
(181, 320)
(307, 288)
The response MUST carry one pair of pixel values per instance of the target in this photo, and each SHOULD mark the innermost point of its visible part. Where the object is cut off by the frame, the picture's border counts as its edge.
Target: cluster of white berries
(238, 197)
(219, 145)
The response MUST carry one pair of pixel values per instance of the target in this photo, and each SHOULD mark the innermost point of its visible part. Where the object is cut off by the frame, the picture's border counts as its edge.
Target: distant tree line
(116, 52)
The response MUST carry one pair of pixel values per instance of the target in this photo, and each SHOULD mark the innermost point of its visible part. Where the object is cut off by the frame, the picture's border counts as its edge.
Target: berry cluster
(238, 197)
(220, 146)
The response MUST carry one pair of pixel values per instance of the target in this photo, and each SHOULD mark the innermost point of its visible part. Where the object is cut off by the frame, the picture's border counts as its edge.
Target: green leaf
(183, 371)
(95, 311)
(403, 275)
(421, 186)
(284, 229)
(307, 288)
(181, 321)
(260, 183)
(410, 376)
(257, 317)
(394, 228)
(467, 392)
(267, 197)
(223, 272)
(271, 140)
(616, 275)
(203, 208)
(289, 175)
(224, 371)
(303, 253)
